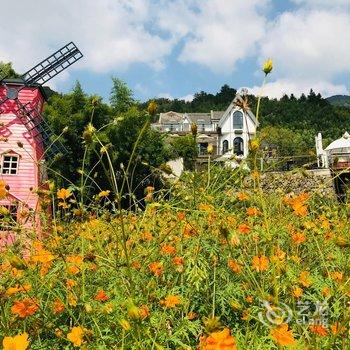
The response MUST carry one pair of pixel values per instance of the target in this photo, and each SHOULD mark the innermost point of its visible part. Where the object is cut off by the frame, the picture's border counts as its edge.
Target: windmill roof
(19, 81)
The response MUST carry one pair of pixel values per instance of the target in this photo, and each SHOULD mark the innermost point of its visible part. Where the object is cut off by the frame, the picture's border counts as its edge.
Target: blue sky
(174, 48)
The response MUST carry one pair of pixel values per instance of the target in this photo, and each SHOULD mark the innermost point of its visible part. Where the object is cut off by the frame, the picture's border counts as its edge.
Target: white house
(228, 131)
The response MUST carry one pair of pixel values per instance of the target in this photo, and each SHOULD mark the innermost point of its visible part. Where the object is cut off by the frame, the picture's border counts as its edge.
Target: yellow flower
(210, 148)
(3, 191)
(104, 194)
(125, 325)
(218, 340)
(76, 336)
(63, 194)
(282, 336)
(260, 263)
(268, 66)
(18, 342)
(304, 279)
(297, 292)
(171, 301)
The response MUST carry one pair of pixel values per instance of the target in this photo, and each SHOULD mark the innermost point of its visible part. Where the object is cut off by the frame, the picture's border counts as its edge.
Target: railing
(287, 163)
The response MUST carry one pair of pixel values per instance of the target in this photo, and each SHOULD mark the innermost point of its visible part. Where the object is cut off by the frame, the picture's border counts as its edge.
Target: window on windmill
(9, 164)
(237, 120)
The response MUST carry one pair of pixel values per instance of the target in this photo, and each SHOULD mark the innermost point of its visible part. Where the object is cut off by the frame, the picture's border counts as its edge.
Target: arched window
(237, 120)
(238, 146)
(224, 146)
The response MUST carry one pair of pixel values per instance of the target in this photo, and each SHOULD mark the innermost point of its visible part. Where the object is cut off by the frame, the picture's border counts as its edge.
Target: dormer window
(9, 164)
(237, 118)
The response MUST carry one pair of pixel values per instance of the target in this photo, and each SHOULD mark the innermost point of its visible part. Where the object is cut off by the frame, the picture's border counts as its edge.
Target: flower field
(214, 266)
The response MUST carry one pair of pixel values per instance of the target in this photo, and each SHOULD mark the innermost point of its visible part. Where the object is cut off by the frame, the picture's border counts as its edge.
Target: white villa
(228, 131)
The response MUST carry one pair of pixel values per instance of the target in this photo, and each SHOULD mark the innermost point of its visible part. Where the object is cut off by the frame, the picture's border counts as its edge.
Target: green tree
(121, 97)
(7, 71)
(185, 147)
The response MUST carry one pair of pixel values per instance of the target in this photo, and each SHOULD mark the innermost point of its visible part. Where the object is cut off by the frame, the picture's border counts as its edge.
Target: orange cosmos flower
(260, 263)
(58, 306)
(156, 268)
(171, 301)
(104, 194)
(298, 238)
(304, 278)
(218, 340)
(319, 330)
(63, 194)
(70, 283)
(101, 296)
(168, 249)
(242, 196)
(326, 291)
(74, 270)
(178, 260)
(76, 336)
(234, 266)
(253, 211)
(244, 228)
(189, 230)
(18, 342)
(75, 259)
(297, 292)
(249, 299)
(25, 307)
(337, 328)
(282, 336)
(181, 215)
(192, 315)
(205, 207)
(337, 276)
(144, 311)
(18, 289)
(146, 236)
(136, 265)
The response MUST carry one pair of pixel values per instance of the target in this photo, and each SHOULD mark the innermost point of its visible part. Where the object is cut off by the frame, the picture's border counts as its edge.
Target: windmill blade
(40, 130)
(52, 65)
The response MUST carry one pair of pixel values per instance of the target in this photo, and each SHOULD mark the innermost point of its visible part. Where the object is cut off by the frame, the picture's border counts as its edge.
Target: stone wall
(312, 181)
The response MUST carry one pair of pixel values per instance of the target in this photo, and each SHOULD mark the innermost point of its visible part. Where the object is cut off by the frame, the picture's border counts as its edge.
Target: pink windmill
(26, 140)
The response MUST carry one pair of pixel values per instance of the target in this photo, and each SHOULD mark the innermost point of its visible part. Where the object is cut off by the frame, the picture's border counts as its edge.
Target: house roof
(341, 145)
(198, 118)
(205, 118)
(233, 106)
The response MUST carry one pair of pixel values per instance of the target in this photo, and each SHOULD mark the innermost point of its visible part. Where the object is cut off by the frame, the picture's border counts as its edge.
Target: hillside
(339, 100)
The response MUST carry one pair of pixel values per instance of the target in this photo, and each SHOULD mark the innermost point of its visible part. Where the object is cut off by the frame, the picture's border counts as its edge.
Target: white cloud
(309, 44)
(187, 98)
(112, 34)
(281, 87)
(217, 33)
(165, 95)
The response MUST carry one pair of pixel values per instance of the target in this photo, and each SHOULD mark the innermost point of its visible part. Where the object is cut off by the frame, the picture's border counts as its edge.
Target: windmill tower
(25, 137)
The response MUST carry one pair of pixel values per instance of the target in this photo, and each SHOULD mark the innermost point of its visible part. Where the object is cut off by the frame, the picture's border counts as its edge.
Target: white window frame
(11, 161)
